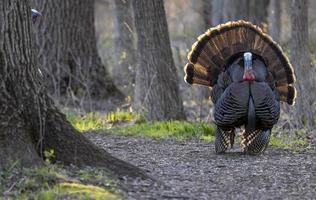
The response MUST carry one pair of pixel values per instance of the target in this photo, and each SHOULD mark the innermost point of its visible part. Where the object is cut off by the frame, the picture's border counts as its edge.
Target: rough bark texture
(125, 58)
(29, 121)
(275, 19)
(67, 50)
(156, 90)
(300, 58)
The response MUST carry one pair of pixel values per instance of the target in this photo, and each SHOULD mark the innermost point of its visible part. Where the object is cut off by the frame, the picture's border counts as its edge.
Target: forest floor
(180, 157)
(191, 170)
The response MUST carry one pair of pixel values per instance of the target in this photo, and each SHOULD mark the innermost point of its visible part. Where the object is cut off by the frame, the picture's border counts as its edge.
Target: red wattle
(249, 76)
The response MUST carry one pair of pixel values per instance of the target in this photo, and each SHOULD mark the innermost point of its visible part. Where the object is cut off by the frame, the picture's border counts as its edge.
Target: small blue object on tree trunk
(35, 15)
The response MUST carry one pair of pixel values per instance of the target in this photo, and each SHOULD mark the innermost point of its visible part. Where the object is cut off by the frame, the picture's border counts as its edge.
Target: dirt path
(191, 170)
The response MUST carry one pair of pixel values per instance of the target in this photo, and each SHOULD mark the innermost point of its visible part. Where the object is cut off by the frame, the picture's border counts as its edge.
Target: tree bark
(29, 121)
(300, 58)
(67, 54)
(124, 46)
(275, 19)
(156, 90)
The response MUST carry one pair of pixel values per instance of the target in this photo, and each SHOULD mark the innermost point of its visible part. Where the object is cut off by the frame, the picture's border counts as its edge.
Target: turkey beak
(248, 71)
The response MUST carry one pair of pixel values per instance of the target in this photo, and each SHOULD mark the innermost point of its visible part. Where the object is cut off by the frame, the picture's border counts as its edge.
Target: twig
(12, 186)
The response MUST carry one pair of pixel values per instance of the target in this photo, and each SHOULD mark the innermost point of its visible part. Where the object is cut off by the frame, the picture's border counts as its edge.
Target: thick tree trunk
(125, 58)
(156, 90)
(67, 50)
(301, 61)
(275, 19)
(29, 121)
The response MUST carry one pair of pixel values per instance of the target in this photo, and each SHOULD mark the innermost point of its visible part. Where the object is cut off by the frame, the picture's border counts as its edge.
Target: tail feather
(213, 50)
(287, 94)
(197, 74)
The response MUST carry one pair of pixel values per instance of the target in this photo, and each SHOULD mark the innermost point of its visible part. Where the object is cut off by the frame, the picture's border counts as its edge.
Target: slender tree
(236, 10)
(217, 12)
(258, 12)
(124, 46)
(156, 90)
(207, 13)
(30, 123)
(301, 61)
(275, 19)
(67, 50)
(255, 11)
(204, 8)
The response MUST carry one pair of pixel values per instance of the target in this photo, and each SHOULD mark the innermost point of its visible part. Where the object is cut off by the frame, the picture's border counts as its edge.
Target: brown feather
(217, 45)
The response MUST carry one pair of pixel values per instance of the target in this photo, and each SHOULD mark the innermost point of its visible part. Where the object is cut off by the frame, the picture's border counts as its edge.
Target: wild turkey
(249, 75)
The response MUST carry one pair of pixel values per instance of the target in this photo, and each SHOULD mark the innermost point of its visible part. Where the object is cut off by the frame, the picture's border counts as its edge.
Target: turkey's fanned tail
(215, 49)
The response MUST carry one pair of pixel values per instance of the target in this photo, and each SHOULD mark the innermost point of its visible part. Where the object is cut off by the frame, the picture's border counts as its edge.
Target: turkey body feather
(216, 60)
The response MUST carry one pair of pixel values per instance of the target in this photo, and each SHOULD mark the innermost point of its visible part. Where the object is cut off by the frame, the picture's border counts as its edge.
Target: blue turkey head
(35, 15)
(248, 71)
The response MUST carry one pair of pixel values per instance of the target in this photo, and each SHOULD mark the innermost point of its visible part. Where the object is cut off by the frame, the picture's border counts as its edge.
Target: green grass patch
(180, 130)
(289, 138)
(127, 123)
(77, 191)
(97, 121)
(56, 182)
(286, 142)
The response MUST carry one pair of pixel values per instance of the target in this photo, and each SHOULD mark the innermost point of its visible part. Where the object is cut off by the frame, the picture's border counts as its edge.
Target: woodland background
(93, 83)
(187, 19)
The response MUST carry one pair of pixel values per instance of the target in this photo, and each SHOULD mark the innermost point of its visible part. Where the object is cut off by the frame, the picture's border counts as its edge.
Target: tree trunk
(217, 10)
(255, 11)
(68, 54)
(301, 61)
(258, 12)
(156, 90)
(236, 10)
(124, 46)
(275, 19)
(29, 121)
(207, 13)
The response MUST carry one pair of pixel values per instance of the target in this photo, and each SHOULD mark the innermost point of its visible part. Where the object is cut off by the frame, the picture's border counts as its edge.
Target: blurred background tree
(275, 19)
(300, 57)
(156, 91)
(124, 70)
